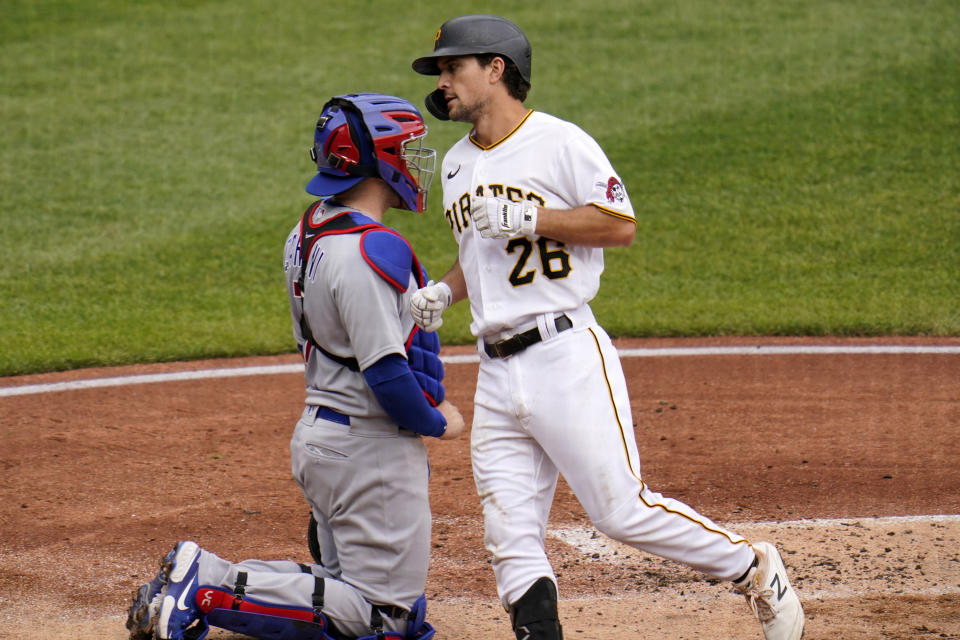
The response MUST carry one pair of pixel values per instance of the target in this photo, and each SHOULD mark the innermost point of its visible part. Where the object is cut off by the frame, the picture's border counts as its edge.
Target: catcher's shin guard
(235, 612)
(534, 616)
(231, 611)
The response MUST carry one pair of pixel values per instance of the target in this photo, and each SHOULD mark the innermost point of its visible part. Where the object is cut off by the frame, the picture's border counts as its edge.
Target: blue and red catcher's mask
(372, 135)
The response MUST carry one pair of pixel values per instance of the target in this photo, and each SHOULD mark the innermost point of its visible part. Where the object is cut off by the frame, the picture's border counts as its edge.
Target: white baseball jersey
(554, 164)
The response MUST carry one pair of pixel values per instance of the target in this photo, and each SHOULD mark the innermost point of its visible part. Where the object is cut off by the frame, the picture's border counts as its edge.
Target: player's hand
(454, 420)
(428, 303)
(502, 218)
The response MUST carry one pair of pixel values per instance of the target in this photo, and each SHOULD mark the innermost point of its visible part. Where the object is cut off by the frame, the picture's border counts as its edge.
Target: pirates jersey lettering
(556, 165)
(458, 215)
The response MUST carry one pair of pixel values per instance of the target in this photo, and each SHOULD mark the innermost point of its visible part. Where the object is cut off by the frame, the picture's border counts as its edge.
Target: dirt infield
(841, 459)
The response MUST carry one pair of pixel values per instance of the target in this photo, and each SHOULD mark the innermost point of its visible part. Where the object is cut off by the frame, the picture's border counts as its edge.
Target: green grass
(794, 167)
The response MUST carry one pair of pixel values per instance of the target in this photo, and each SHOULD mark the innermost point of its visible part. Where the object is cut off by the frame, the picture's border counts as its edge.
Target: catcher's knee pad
(426, 633)
(417, 627)
(227, 610)
(534, 616)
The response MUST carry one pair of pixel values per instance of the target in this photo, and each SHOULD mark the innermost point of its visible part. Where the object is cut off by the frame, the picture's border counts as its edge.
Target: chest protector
(392, 258)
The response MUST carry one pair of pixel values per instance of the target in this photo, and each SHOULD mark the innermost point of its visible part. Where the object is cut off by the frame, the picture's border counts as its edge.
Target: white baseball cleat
(769, 593)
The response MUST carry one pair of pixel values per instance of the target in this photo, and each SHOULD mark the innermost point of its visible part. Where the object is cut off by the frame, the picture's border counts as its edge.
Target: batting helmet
(372, 135)
(475, 34)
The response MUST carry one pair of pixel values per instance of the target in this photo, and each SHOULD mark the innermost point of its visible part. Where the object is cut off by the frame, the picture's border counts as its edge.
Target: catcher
(373, 389)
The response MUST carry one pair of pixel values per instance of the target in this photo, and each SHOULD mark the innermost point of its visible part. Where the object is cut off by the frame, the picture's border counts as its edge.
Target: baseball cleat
(771, 597)
(178, 606)
(146, 602)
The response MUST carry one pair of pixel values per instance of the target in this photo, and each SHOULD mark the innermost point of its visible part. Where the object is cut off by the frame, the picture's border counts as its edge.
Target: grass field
(794, 166)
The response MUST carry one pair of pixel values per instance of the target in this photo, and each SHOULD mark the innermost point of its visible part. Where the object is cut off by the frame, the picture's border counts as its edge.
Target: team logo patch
(615, 191)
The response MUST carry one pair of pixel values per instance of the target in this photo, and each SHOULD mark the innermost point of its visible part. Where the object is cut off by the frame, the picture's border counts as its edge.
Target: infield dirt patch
(98, 483)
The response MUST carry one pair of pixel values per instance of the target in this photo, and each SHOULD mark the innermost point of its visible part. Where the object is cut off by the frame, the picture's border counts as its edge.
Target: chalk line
(232, 372)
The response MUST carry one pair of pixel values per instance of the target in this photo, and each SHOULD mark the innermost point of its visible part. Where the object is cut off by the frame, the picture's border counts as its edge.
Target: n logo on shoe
(780, 590)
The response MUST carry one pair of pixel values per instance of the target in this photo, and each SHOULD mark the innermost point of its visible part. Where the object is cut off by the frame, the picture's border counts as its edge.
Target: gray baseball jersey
(352, 312)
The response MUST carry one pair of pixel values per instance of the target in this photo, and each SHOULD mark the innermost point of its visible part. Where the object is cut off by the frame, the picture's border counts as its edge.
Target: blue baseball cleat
(178, 607)
(146, 602)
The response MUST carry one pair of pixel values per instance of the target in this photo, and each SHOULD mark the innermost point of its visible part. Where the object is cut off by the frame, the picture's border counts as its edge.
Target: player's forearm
(586, 226)
(457, 283)
(397, 391)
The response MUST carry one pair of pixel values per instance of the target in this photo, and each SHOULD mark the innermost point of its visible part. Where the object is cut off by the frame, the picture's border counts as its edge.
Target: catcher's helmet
(475, 34)
(372, 135)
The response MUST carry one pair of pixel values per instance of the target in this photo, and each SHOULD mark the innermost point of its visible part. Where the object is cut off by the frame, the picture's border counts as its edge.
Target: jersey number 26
(555, 263)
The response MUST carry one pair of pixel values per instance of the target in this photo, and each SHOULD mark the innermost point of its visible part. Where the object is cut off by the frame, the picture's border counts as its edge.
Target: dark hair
(516, 85)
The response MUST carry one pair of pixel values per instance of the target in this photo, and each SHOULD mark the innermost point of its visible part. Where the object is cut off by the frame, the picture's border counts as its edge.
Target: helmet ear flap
(436, 104)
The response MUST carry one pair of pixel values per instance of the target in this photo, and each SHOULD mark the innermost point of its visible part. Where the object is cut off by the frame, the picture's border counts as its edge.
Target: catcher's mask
(372, 135)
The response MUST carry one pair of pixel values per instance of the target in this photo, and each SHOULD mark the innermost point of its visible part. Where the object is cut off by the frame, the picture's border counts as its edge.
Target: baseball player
(531, 201)
(373, 388)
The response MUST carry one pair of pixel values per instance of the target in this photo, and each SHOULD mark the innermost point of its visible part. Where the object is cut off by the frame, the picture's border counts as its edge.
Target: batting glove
(502, 218)
(427, 305)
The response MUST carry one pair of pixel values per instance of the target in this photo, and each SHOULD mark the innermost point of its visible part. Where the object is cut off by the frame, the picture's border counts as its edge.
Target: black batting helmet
(475, 34)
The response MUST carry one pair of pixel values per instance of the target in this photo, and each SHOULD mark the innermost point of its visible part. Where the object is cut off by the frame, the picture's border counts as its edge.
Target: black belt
(515, 344)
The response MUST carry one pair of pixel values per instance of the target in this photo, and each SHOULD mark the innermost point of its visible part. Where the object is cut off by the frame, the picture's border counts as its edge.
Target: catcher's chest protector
(387, 253)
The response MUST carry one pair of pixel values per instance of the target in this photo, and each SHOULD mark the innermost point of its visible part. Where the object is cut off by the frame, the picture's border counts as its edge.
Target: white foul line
(473, 358)
(769, 350)
(175, 376)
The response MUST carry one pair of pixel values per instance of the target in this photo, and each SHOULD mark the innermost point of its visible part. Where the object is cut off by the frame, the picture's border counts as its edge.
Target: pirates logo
(615, 191)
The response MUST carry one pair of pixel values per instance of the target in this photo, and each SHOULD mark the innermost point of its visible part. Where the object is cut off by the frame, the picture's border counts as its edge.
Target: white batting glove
(502, 218)
(428, 303)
